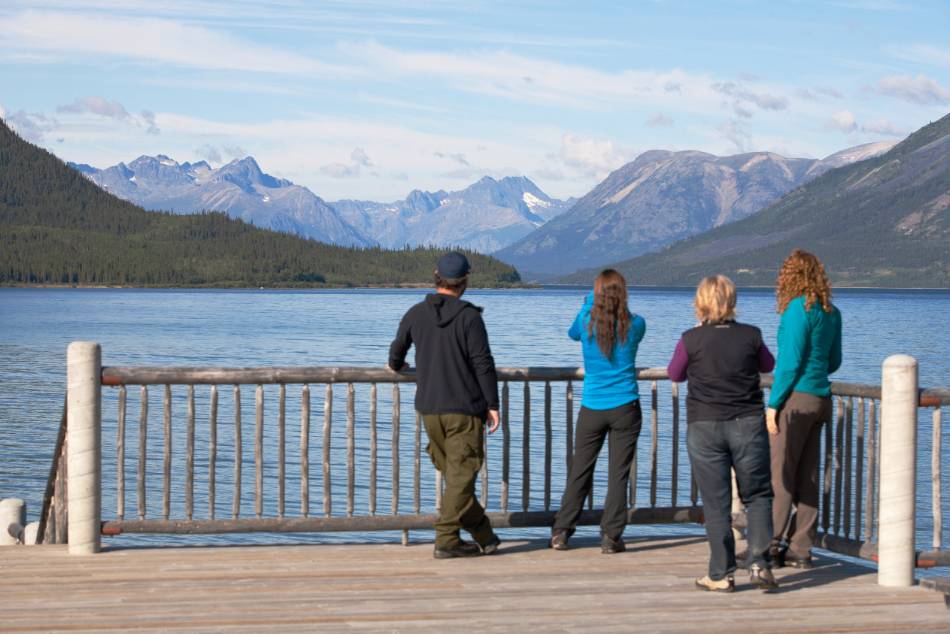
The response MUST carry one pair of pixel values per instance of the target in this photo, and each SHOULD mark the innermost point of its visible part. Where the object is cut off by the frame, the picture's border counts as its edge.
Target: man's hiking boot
(491, 546)
(726, 584)
(794, 561)
(462, 549)
(762, 578)
(610, 546)
(558, 540)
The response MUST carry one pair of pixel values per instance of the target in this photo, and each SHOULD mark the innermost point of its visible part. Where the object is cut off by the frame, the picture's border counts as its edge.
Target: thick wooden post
(84, 431)
(896, 548)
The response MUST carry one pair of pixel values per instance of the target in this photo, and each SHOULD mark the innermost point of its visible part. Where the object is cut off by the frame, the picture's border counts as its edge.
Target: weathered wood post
(12, 520)
(896, 547)
(84, 433)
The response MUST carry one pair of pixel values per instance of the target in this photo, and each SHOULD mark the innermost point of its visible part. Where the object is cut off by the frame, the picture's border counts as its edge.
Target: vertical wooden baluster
(505, 446)
(395, 449)
(417, 466)
(839, 442)
(693, 488)
(654, 433)
(548, 437)
(935, 456)
(438, 491)
(190, 455)
(350, 448)
(870, 505)
(674, 484)
(305, 451)
(259, 451)
(143, 449)
(238, 450)
(61, 517)
(327, 421)
(120, 458)
(859, 471)
(525, 450)
(372, 449)
(569, 426)
(212, 450)
(281, 454)
(848, 419)
(484, 470)
(167, 462)
(826, 479)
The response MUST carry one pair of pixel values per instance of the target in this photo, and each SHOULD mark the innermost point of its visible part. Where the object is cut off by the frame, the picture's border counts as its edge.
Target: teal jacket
(612, 382)
(809, 349)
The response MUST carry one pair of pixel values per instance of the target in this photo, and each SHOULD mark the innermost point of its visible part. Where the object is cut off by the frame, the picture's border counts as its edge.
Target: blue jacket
(809, 349)
(608, 383)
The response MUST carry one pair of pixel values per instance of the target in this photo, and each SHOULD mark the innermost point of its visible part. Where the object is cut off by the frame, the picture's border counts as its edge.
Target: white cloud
(765, 101)
(153, 40)
(658, 120)
(32, 126)
(506, 75)
(591, 157)
(921, 90)
(111, 110)
(3, 112)
(358, 160)
(921, 53)
(843, 121)
(733, 132)
(883, 126)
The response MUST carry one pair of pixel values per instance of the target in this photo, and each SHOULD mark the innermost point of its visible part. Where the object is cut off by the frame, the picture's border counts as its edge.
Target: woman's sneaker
(762, 578)
(726, 584)
(558, 540)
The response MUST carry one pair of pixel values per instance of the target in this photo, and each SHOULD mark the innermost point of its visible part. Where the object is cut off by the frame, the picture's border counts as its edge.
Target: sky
(370, 99)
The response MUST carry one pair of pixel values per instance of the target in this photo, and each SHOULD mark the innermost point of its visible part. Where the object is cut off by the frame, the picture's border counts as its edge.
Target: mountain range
(883, 221)
(662, 197)
(485, 217)
(56, 227)
(240, 189)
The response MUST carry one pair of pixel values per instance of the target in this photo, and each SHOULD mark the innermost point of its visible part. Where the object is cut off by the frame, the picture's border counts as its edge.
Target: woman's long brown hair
(803, 274)
(610, 317)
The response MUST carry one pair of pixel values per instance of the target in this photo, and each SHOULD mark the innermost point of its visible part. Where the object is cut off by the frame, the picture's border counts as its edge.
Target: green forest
(56, 227)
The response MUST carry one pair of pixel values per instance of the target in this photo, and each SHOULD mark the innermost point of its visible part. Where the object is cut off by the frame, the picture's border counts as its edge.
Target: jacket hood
(446, 308)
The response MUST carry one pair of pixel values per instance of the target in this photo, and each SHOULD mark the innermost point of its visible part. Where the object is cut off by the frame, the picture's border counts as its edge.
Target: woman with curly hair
(809, 349)
(609, 334)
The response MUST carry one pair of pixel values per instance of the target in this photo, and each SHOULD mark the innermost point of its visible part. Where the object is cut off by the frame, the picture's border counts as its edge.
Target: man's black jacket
(455, 371)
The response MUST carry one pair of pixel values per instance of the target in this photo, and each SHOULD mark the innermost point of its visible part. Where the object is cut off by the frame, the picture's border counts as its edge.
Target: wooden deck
(388, 587)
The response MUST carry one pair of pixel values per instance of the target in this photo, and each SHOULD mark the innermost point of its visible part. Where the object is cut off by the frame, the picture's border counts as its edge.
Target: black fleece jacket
(455, 371)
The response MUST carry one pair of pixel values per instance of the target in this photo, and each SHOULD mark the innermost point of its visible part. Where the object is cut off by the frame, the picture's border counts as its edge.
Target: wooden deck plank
(371, 587)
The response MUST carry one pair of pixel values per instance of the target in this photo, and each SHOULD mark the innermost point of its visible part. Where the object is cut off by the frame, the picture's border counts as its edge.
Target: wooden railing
(352, 461)
(532, 509)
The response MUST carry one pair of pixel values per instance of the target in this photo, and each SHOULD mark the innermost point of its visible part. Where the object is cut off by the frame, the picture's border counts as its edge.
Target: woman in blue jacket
(609, 334)
(809, 349)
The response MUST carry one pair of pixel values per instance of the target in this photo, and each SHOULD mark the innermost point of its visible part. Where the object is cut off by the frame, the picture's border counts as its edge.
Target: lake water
(354, 327)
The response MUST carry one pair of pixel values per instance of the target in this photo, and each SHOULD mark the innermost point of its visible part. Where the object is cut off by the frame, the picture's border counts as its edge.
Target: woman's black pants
(622, 425)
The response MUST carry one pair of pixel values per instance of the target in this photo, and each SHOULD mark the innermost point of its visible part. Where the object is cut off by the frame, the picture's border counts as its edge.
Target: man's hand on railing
(492, 420)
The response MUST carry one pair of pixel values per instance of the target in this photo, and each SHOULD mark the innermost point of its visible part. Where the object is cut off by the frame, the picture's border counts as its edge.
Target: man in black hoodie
(457, 394)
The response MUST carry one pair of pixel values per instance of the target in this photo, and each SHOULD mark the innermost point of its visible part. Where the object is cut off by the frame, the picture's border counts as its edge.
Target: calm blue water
(354, 327)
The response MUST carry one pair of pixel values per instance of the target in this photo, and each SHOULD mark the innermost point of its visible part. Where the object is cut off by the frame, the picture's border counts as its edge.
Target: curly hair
(610, 317)
(803, 274)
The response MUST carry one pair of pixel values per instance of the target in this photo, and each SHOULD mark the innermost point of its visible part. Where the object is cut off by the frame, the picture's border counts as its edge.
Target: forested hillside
(56, 227)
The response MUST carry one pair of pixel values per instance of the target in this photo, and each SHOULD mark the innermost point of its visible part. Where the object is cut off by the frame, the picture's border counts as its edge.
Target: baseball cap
(453, 265)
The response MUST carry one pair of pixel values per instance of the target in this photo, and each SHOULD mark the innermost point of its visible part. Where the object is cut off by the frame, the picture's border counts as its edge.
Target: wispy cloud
(153, 40)
(111, 110)
(921, 54)
(843, 121)
(358, 160)
(659, 120)
(921, 90)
